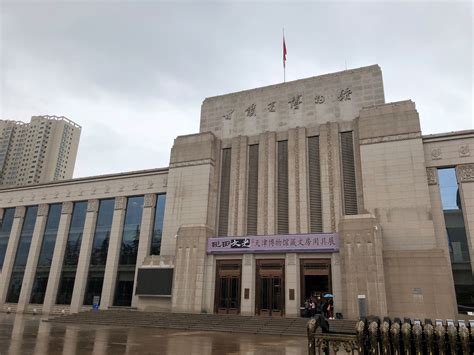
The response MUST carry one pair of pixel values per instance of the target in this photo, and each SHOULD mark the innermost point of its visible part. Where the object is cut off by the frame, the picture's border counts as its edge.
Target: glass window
(100, 247)
(46, 254)
(456, 232)
(71, 255)
(22, 254)
(5, 230)
(449, 190)
(158, 225)
(128, 252)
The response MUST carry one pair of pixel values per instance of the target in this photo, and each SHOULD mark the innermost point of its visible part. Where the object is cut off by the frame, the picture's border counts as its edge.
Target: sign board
(309, 243)
(95, 303)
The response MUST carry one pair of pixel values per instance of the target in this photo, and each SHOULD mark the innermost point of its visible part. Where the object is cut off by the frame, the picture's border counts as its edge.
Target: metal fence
(394, 337)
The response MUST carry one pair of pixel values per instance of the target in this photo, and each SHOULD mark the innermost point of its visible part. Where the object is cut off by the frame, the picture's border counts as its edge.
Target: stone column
(33, 256)
(267, 184)
(362, 265)
(82, 271)
(144, 242)
(42, 339)
(330, 176)
(188, 278)
(70, 341)
(247, 306)
(113, 254)
(292, 277)
(209, 285)
(58, 257)
(11, 252)
(297, 181)
(238, 187)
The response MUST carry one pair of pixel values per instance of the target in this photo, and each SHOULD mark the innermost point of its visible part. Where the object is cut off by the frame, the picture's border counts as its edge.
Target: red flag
(284, 52)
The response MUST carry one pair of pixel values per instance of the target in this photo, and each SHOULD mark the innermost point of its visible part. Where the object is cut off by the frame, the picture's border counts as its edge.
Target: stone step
(204, 322)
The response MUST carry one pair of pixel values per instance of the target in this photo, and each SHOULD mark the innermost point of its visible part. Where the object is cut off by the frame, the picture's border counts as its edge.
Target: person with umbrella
(329, 306)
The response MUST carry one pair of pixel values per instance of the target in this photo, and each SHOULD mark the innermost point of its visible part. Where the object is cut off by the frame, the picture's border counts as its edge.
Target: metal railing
(394, 337)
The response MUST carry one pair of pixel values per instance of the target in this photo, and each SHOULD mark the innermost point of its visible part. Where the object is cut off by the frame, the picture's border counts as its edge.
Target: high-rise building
(40, 151)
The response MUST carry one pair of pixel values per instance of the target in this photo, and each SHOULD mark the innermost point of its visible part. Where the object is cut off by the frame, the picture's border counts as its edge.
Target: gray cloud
(134, 74)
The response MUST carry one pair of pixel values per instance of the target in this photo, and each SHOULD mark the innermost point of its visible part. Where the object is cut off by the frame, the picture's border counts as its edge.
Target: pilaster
(297, 181)
(84, 256)
(267, 184)
(146, 233)
(292, 289)
(33, 256)
(247, 306)
(113, 254)
(238, 187)
(58, 257)
(11, 252)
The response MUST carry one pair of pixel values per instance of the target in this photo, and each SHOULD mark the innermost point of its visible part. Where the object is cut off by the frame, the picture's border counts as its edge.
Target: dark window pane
(99, 251)
(71, 256)
(158, 225)
(128, 252)
(46, 254)
(5, 229)
(22, 254)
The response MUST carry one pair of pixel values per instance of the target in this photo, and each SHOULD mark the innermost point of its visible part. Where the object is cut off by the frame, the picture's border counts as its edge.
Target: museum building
(289, 191)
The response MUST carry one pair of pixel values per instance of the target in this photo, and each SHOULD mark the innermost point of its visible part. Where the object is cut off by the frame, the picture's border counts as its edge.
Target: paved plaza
(27, 334)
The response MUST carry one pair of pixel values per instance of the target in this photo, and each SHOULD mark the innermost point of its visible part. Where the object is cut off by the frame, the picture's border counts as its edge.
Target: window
(71, 255)
(456, 233)
(5, 229)
(158, 225)
(21, 256)
(46, 254)
(99, 251)
(128, 252)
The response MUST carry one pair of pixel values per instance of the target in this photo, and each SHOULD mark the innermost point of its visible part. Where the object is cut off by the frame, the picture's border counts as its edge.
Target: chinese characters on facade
(294, 103)
(302, 242)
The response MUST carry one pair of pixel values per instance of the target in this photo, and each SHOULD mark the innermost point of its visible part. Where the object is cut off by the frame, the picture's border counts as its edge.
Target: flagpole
(284, 64)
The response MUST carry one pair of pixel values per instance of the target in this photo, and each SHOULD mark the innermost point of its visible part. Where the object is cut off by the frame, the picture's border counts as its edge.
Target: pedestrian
(330, 309)
(313, 308)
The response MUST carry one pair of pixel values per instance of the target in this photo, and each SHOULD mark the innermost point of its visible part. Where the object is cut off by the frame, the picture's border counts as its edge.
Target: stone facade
(374, 185)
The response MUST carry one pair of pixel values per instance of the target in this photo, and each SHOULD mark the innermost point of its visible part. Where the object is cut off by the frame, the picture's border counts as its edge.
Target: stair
(202, 322)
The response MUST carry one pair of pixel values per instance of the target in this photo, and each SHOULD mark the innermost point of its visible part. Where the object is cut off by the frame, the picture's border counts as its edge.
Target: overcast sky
(133, 74)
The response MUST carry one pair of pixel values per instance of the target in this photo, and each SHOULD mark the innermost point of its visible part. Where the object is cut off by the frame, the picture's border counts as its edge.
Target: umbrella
(328, 295)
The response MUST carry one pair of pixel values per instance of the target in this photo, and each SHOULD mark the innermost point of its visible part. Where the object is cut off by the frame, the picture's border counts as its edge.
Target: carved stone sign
(228, 115)
(295, 102)
(250, 111)
(271, 107)
(344, 95)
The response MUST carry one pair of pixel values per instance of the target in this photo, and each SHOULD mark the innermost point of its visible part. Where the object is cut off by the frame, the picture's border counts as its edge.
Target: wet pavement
(27, 334)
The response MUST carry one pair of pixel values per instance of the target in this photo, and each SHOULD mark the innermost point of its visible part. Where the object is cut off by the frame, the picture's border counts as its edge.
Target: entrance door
(270, 300)
(227, 297)
(315, 278)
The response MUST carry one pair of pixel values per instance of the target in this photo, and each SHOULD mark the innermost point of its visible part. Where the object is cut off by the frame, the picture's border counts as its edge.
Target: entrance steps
(202, 322)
